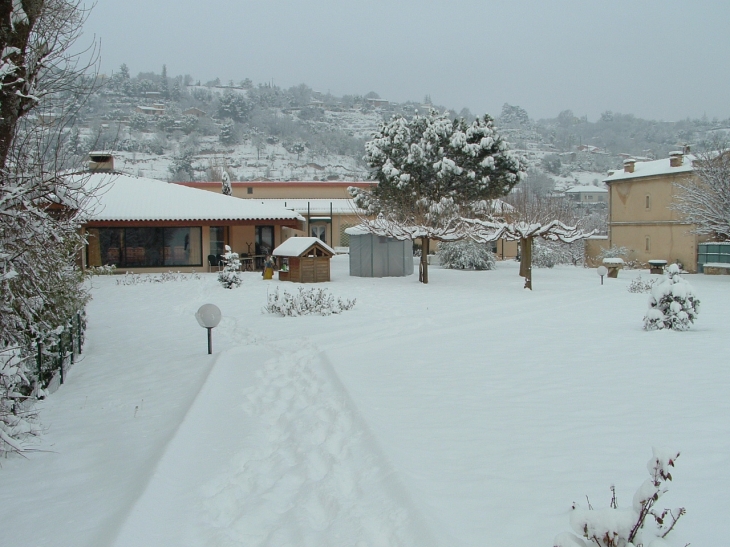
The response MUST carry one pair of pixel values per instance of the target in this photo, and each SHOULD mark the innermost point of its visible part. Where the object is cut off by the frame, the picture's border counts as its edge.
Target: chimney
(675, 159)
(629, 165)
(101, 162)
(686, 150)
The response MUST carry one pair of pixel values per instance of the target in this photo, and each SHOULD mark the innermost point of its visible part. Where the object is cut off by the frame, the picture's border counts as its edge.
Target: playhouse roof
(296, 246)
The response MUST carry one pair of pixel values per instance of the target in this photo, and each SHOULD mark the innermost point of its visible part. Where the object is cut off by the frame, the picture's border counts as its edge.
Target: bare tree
(539, 215)
(40, 285)
(704, 200)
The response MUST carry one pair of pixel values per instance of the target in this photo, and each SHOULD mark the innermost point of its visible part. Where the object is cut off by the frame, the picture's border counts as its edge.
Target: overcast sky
(658, 59)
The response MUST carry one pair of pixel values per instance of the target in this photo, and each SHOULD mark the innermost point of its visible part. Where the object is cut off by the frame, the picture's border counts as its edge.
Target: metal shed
(307, 260)
(378, 256)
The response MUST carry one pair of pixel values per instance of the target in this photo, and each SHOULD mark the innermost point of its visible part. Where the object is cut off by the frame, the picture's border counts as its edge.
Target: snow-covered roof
(653, 168)
(358, 230)
(585, 189)
(294, 246)
(123, 197)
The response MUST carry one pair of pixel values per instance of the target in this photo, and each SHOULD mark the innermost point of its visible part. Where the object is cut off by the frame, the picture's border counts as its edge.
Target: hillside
(176, 129)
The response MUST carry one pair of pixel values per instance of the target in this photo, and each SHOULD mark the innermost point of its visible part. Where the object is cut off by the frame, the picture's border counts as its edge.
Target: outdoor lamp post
(208, 316)
(602, 270)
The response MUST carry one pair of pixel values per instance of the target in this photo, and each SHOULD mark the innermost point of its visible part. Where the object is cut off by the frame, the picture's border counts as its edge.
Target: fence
(53, 362)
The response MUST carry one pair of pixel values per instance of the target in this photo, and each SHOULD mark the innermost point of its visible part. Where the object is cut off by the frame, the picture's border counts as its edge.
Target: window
(647, 202)
(264, 240)
(647, 244)
(249, 190)
(145, 247)
(320, 231)
(217, 240)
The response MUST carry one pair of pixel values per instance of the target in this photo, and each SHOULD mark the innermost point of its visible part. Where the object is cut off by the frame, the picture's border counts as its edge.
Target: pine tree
(226, 183)
(432, 170)
(228, 134)
(164, 84)
(230, 275)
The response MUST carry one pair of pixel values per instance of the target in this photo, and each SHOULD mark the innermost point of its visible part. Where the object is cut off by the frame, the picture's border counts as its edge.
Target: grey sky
(660, 59)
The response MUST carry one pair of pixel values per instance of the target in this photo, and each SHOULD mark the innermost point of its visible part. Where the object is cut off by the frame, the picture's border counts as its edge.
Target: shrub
(466, 255)
(131, 278)
(672, 304)
(544, 256)
(311, 301)
(230, 276)
(624, 527)
(18, 417)
(108, 269)
(639, 285)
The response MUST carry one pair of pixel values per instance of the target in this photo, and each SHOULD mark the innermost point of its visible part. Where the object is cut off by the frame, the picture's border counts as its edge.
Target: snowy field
(468, 412)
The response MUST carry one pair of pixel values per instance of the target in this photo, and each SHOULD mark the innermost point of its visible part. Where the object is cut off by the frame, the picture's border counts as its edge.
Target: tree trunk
(526, 261)
(423, 266)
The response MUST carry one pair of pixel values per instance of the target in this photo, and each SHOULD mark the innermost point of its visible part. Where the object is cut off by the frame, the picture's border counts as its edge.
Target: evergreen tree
(431, 169)
(164, 84)
(228, 134)
(226, 183)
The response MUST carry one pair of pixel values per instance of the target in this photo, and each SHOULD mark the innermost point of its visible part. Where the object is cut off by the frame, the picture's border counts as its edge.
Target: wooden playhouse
(305, 260)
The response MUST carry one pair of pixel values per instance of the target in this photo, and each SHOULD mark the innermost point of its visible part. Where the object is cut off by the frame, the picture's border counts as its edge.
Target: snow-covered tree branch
(704, 200)
(41, 287)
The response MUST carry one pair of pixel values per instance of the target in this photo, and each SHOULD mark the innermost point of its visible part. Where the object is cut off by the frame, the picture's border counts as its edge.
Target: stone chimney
(629, 165)
(101, 162)
(675, 159)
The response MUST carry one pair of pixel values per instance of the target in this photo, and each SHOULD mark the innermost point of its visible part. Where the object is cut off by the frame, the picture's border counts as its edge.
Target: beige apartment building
(641, 217)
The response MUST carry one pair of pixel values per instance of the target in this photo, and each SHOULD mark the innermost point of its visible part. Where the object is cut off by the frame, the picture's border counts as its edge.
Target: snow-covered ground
(468, 412)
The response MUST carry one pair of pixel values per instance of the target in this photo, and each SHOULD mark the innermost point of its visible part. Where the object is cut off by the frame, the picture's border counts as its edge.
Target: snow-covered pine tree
(230, 275)
(228, 135)
(432, 170)
(672, 304)
(226, 183)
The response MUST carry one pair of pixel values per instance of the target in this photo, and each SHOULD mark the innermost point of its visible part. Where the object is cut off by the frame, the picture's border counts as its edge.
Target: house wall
(238, 236)
(593, 247)
(640, 208)
(335, 236)
(670, 242)
(291, 191)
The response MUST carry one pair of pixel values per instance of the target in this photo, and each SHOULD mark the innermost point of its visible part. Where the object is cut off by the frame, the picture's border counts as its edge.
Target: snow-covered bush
(18, 418)
(466, 255)
(624, 527)
(108, 269)
(131, 278)
(230, 276)
(672, 304)
(639, 285)
(544, 256)
(310, 301)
